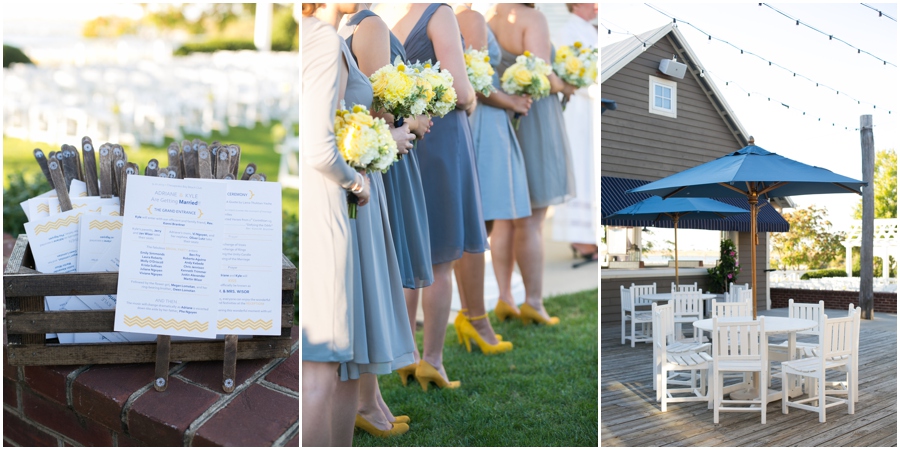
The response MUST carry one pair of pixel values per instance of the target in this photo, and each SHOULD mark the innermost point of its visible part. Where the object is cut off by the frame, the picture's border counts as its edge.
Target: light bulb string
(771, 63)
(880, 13)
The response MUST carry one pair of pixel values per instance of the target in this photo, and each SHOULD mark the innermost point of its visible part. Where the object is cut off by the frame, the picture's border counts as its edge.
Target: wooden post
(866, 262)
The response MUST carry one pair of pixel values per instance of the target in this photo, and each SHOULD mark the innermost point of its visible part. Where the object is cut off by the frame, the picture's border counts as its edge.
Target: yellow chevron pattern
(105, 225)
(170, 324)
(83, 194)
(56, 224)
(245, 324)
(114, 213)
(43, 207)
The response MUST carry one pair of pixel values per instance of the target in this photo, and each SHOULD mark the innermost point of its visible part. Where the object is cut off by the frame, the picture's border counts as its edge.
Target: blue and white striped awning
(614, 198)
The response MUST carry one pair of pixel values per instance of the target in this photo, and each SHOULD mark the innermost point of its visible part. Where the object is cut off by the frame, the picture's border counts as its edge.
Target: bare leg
(436, 306)
(368, 402)
(346, 398)
(529, 251)
(412, 307)
(502, 255)
(381, 404)
(585, 249)
(319, 380)
(470, 279)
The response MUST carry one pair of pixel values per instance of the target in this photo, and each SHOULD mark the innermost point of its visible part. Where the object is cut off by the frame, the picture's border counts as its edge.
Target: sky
(765, 32)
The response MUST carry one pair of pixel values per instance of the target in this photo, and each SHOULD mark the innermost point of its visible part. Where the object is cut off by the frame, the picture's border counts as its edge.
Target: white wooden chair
(629, 313)
(734, 288)
(684, 287)
(688, 307)
(739, 347)
(673, 345)
(693, 361)
(732, 309)
(811, 352)
(809, 311)
(836, 349)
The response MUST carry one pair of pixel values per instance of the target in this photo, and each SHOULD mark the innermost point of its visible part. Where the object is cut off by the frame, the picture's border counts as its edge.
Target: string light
(771, 63)
(830, 36)
(880, 14)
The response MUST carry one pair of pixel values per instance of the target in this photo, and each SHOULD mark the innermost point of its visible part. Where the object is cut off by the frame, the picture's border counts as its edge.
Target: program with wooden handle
(65, 204)
(249, 171)
(42, 161)
(223, 163)
(152, 168)
(204, 162)
(190, 160)
(106, 172)
(90, 167)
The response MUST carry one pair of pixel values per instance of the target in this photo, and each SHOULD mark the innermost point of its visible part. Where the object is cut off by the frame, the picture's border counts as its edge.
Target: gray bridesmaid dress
(449, 177)
(404, 195)
(501, 167)
(327, 296)
(545, 145)
(382, 340)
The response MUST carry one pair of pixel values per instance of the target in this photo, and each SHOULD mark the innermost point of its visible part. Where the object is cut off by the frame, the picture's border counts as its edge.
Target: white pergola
(884, 243)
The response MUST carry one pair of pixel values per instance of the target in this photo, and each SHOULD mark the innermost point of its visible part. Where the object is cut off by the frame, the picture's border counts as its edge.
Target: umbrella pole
(675, 219)
(754, 238)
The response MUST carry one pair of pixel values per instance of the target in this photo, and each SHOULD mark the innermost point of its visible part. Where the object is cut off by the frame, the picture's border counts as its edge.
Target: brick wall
(115, 405)
(884, 301)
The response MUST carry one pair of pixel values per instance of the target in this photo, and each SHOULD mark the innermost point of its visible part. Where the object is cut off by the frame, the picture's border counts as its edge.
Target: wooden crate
(26, 322)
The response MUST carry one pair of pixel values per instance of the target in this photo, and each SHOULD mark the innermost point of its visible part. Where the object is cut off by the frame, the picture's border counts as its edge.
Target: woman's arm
(499, 99)
(537, 41)
(443, 31)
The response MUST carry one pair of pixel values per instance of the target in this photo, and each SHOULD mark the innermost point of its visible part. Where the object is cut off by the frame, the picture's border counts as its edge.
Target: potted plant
(726, 270)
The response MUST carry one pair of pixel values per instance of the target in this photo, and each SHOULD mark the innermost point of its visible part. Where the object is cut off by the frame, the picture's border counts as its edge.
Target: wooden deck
(630, 416)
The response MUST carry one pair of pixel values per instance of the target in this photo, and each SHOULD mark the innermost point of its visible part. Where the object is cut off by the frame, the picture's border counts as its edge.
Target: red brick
(49, 381)
(11, 372)
(161, 418)
(101, 392)
(295, 334)
(9, 394)
(294, 442)
(64, 421)
(125, 440)
(25, 434)
(287, 374)
(268, 413)
(209, 373)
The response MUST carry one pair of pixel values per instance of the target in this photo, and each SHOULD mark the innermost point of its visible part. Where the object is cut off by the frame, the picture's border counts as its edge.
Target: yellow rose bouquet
(527, 76)
(439, 91)
(576, 65)
(395, 89)
(365, 143)
(479, 70)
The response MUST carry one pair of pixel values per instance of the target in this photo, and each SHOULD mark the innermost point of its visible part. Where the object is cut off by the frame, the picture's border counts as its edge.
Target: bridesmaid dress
(382, 339)
(404, 195)
(450, 180)
(327, 276)
(501, 167)
(542, 135)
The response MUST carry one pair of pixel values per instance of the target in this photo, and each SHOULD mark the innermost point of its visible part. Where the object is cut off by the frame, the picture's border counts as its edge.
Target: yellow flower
(573, 65)
(563, 53)
(577, 44)
(358, 108)
(427, 65)
(522, 76)
(527, 54)
(468, 59)
(487, 59)
(401, 68)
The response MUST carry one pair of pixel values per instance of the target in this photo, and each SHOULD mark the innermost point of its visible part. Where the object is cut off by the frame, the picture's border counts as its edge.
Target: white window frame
(672, 112)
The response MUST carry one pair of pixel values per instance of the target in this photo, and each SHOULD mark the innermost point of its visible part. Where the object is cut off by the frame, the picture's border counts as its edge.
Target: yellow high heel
(426, 373)
(502, 311)
(457, 323)
(401, 419)
(530, 314)
(406, 372)
(396, 428)
(469, 333)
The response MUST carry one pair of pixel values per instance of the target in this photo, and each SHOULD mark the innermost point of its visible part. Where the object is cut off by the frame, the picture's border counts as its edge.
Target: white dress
(575, 221)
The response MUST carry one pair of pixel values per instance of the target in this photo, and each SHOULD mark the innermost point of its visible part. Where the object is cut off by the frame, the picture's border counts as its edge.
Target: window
(663, 97)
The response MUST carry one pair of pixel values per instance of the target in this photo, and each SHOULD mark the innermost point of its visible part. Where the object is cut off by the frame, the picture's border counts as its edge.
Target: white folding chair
(673, 344)
(666, 362)
(629, 313)
(808, 311)
(739, 346)
(836, 349)
(688, 308)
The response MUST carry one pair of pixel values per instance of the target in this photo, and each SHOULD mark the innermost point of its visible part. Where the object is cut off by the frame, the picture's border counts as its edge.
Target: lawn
(543, 393)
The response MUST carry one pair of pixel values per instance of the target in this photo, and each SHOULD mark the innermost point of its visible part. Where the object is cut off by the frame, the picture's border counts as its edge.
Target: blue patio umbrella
(752, 172)
(656, 208)
(607, 104)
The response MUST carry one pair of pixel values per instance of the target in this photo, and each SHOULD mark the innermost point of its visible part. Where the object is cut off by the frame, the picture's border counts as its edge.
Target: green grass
(543, 393)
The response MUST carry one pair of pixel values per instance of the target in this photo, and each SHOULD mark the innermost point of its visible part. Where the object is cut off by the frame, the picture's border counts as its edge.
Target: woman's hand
(403, 138)
(521, 103)
(471, 109)
(363, 195)
(420, 125)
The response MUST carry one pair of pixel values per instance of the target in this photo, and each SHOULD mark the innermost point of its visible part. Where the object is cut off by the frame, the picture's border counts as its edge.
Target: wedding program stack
(198, 250)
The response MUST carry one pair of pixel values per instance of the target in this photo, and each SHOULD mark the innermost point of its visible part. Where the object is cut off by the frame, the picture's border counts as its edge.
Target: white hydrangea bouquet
(396, 89)
(438, 85)
(479, 70)
(528, 75)
(576, 64)
(365, 143)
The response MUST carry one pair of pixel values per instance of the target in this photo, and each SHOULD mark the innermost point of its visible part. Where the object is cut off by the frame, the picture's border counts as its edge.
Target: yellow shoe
(503, 310)
(396, 428)
(457, 323)
(469, 333)
(530, 314)
(401, 419)
(406, 372)
(426, 373)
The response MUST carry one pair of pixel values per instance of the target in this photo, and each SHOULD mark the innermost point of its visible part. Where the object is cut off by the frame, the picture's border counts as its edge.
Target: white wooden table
(774, 325)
